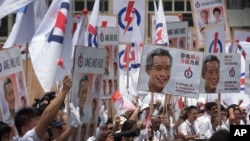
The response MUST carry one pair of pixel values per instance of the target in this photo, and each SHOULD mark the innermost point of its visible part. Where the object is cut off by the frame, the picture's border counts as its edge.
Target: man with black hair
(34, 126)
(210, 73)
(158, 67)
(9, 94)
(5, 132)
(204, 122)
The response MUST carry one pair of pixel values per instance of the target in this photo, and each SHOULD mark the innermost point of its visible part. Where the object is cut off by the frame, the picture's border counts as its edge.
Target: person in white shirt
(188, 127)
(204, 122)
(30, 125)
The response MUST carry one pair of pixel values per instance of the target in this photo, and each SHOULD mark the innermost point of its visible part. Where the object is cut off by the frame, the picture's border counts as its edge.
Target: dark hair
(128, 125)
(209, 58)
(157, 52)
(4, 129)
(6, 82)
(209, 105)
(24, 116)
(216, 9)
(220, 135)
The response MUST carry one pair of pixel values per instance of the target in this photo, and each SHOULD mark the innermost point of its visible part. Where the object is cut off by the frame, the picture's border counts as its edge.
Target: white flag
(161, 34)
(52, 41)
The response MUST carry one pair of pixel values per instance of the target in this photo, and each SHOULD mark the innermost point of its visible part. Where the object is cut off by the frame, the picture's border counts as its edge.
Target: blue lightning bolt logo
(128, 16)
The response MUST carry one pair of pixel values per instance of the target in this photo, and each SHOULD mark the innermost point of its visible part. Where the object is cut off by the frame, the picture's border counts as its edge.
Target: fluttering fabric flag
(161, 34)
(90, 36)
(121, 103)
(10, 6)
(52, 41)
(24, 27)
(79, 34)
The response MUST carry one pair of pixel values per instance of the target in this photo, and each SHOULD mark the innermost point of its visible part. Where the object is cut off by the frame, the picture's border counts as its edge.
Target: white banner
(221, 73)
(158, 73)
(206, 13)
(247, 75)
(87, 80)
(108, 39)
(177, 34)
(215, 39)
(13, 87)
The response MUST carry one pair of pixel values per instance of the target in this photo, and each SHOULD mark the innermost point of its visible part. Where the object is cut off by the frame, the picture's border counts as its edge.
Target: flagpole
(219, 108)
(127, 64)
(27, 61)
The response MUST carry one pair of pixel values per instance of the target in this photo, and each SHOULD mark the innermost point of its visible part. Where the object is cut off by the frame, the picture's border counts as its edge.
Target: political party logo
(125, 23)
(215, 45)
(102, 36)
(80, 60)
(232, 72)
(197, 4)
(188, 73)
(240, 49)
(123, 61)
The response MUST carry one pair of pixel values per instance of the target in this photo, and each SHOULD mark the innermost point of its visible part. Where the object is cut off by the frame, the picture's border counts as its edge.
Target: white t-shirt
(29, 136)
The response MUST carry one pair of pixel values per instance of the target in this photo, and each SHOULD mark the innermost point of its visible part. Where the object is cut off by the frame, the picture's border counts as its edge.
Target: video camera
(43, 102)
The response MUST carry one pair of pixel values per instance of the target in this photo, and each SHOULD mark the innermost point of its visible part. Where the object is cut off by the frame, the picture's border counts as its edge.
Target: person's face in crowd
(214, 111)
(155, 123)
(10, 96)
(237, 115)
(159, 73)
(109, 127)
(104, 86)
(192, 115)
(110, 137)
(83, 92)
(83, 132)
(97, 84)
(217, 15)
(204, 17)
(211, 76)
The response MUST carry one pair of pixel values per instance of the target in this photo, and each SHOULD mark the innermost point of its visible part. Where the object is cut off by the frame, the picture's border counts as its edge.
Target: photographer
(30, 125)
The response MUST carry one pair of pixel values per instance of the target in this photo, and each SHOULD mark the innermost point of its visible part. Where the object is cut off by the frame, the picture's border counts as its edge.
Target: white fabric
(185, 128)
(29, 136)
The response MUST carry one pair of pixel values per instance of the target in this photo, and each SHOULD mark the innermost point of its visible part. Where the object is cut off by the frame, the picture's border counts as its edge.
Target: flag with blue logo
(53, 40)
(161, 34)
(90, 36)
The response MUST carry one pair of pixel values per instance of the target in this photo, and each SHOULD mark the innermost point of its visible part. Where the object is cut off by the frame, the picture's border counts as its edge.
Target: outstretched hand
(74, 115)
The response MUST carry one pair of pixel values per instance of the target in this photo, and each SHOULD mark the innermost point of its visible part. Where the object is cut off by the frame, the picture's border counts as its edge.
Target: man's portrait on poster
(158, 68)
(210, 73)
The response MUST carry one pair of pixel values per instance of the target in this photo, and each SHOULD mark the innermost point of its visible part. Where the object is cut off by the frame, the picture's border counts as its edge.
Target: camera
(42, 103)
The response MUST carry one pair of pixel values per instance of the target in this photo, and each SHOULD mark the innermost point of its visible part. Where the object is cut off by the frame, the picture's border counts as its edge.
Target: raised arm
(51, 111)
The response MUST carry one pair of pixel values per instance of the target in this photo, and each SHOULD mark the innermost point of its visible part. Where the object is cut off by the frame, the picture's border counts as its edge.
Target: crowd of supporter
(156, 122)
